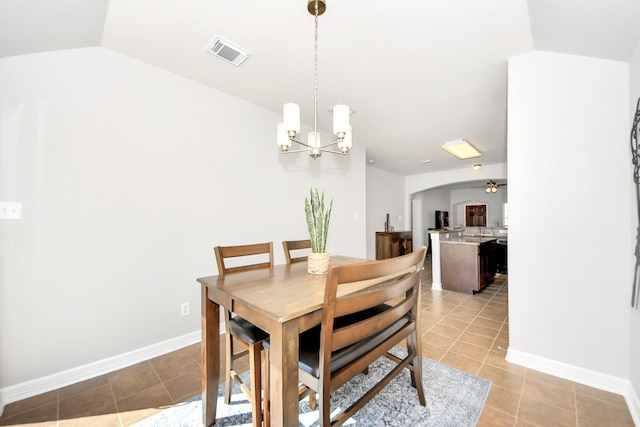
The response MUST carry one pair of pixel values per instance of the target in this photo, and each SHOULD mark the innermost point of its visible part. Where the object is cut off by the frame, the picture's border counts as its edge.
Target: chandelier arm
(295, 151)
(301, 143)
(333, 151)
(337, 141)
(321, 150)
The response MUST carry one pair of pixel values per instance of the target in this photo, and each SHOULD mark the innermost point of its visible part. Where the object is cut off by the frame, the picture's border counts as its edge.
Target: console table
(393, 244)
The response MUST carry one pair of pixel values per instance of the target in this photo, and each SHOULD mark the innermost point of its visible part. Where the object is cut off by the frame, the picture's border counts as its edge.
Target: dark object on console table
(467, 264)
(397, 243)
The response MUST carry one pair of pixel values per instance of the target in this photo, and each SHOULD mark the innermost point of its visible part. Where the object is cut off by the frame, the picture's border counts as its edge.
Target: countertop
(468, 240)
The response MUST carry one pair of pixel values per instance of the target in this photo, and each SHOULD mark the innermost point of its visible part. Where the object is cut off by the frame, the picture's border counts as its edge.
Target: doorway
(416, 222)
(476, 215)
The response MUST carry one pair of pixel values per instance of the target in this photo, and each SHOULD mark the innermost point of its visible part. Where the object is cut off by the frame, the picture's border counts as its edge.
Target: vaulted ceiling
(417, 73)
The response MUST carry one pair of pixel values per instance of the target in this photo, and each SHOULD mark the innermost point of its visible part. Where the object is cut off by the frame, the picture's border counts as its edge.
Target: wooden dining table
(284, 301)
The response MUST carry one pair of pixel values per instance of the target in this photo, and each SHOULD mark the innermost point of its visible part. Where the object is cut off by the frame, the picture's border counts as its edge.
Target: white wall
(434, 200)
(634, 73)
(385, 195)
(418, 227)
(570, 265)
(417, 183)
(465, 196)
(129, 176)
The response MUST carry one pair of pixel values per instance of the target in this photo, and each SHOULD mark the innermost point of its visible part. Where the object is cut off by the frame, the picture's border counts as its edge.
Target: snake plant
(317, 220)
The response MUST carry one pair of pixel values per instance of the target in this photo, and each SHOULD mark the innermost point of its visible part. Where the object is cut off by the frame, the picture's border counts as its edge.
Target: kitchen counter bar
(466, 263)
(468, 240)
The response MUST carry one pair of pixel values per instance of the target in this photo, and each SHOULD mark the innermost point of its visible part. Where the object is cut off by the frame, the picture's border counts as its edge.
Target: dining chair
(359, 327)
(242, 331)
(294, 245)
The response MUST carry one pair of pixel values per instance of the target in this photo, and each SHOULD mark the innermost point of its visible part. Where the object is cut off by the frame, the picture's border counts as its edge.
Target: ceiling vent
(228, 51)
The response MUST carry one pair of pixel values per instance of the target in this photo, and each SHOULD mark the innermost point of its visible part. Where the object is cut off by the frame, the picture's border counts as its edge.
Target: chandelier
(290, 126)
(491, 187)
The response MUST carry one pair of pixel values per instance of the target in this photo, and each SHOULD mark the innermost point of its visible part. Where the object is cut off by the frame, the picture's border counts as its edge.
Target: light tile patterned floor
(469, 332)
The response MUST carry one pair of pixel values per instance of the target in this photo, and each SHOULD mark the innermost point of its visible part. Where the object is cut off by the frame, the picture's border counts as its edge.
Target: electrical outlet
(185, 309)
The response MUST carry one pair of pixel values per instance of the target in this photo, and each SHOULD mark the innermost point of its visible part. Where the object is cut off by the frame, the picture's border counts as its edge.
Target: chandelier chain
(315, 71)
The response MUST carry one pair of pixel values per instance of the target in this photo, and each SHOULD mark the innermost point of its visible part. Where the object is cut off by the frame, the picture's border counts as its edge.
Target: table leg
(210, 375)
(284, 375)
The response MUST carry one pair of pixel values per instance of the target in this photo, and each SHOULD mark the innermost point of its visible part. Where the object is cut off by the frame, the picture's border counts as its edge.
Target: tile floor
(469, 332)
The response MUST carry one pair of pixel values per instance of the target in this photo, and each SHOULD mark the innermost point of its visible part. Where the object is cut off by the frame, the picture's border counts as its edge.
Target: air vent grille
(228, 51)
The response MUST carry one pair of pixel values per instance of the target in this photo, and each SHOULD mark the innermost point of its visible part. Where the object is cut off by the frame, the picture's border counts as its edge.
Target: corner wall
(385, 192)
(570, 266)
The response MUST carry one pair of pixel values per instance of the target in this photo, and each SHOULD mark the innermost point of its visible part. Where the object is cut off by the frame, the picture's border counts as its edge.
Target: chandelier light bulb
(282, 138)
(346, 143)
(291, 116)
(340, 120)
(314, 139)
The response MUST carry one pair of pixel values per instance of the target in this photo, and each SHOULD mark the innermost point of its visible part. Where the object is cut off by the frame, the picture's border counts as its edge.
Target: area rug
(454, 398)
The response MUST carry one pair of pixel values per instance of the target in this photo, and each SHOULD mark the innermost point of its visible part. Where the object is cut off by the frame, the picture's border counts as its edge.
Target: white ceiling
(418, 73)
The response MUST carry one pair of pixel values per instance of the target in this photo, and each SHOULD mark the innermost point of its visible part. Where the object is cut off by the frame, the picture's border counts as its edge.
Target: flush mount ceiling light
(290, 126)
(491, 187)
(461, 149)
(477, 166)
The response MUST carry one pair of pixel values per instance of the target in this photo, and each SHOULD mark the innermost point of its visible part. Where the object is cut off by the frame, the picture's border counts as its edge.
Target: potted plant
(318, 223)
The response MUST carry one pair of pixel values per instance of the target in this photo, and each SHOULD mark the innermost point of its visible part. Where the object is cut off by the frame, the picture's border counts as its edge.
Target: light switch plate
(10, 210)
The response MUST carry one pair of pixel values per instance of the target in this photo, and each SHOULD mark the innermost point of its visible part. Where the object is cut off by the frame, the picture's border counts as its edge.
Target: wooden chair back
(243, 330)
(295, 245)
(226, 252)
(392, 283)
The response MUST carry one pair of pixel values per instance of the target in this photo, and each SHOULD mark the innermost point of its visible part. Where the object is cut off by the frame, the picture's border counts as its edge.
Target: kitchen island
(467, 263)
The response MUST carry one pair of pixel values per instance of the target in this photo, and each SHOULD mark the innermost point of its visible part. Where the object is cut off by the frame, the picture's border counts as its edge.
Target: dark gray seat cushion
(247, 331)
(310, 342)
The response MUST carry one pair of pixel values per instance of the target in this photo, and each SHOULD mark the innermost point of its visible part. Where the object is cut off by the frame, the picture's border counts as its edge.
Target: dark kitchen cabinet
(501, 256)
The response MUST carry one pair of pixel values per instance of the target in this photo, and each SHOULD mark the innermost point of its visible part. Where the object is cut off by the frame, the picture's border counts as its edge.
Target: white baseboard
(91, 370)
(582, 376)
(633, 402)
